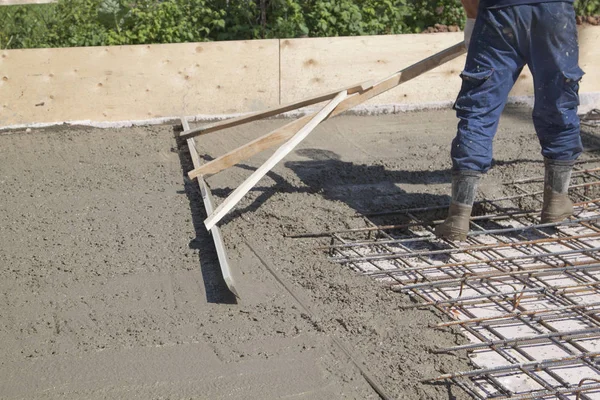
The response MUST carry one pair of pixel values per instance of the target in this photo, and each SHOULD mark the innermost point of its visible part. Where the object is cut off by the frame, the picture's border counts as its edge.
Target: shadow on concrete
(214, 284)
(515, 112)
(372, 188)
(591, 140)
(365, 188)
(280, 186)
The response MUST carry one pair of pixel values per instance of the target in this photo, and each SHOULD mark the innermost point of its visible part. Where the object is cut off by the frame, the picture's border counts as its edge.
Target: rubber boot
(464, 188)
(557, 205)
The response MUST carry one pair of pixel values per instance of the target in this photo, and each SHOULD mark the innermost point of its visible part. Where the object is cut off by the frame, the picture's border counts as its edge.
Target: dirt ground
(111, 289)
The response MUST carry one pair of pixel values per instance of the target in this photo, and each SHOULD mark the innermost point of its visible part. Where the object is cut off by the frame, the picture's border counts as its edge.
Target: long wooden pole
(229, 123)
(209, 205)
(284, 150)
(285, 132)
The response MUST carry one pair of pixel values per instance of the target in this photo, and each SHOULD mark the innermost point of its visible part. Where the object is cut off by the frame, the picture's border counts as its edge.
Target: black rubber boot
(464, 188)
(557, 205)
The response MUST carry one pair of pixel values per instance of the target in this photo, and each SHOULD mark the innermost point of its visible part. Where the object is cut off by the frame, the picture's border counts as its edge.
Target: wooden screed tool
(339, 101)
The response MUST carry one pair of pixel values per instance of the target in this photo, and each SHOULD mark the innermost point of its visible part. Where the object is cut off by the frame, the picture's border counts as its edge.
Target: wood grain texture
(283, 133)
(230, 202)
(249, 149)
(124, 83)
(229, 123)
(589, 58)
(129, 83)
(320, 64)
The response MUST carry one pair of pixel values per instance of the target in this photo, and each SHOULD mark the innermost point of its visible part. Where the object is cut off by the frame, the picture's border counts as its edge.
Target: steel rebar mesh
(526, 294)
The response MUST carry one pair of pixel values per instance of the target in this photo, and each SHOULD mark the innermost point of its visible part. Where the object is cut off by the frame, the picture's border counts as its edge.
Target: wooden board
(209, 205)
(279, 154)
(278, 135)
(124, 83)
(228, 123)
(589, 59)
(322, 64)
(129, 83)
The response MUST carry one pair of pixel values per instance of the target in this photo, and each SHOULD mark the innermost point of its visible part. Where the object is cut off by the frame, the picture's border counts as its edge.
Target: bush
(25, 27)
(426, 13)
(106, 22)
(358, 17)
(587, 7)
(75, 23)
(172, 21)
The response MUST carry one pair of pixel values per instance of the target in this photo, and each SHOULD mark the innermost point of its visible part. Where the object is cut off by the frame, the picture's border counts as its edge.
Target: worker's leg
(557, 205)
(494, 62)
(553, 61)
(464, 189)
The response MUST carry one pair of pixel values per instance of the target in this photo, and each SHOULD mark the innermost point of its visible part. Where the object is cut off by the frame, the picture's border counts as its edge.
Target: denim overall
(505, 39)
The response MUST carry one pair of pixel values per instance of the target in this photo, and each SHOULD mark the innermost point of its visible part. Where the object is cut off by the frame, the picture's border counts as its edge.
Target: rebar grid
(526, 294)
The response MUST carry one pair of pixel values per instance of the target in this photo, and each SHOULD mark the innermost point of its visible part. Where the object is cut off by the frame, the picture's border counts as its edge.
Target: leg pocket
(473, 94)
(569, 98)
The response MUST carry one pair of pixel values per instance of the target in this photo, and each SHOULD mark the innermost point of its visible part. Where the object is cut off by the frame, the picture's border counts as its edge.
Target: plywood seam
(148, 82)
(279, 53)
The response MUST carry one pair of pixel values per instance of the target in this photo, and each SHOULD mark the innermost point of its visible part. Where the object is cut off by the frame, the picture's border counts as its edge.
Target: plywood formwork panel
(133, 83)
(318, 65)
(311, 66)
(589, 58)
(120, 83)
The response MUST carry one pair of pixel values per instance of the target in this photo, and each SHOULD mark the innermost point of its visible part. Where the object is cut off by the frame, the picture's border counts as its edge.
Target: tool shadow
(215, 287)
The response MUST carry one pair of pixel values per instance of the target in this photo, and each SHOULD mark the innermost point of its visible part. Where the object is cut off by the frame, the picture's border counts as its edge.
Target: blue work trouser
(543, 36)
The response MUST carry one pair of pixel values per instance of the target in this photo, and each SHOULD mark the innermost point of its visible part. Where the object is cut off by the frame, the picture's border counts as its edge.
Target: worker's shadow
(590, 140)
(371, 190)
(364, 188)
(367, 188)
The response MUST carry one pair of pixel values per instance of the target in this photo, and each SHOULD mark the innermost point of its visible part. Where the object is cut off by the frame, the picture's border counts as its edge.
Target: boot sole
(452, 234)
(545, 219)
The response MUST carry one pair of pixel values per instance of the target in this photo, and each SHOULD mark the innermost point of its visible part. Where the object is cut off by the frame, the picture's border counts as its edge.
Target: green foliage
(587, 7)
(286, 19)
(24, 27)
(240, 20)
(356, 17)
(173, 21)
(75, 23)
(107, 22)
(383, 17)
(335, 18)
(426, 13)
